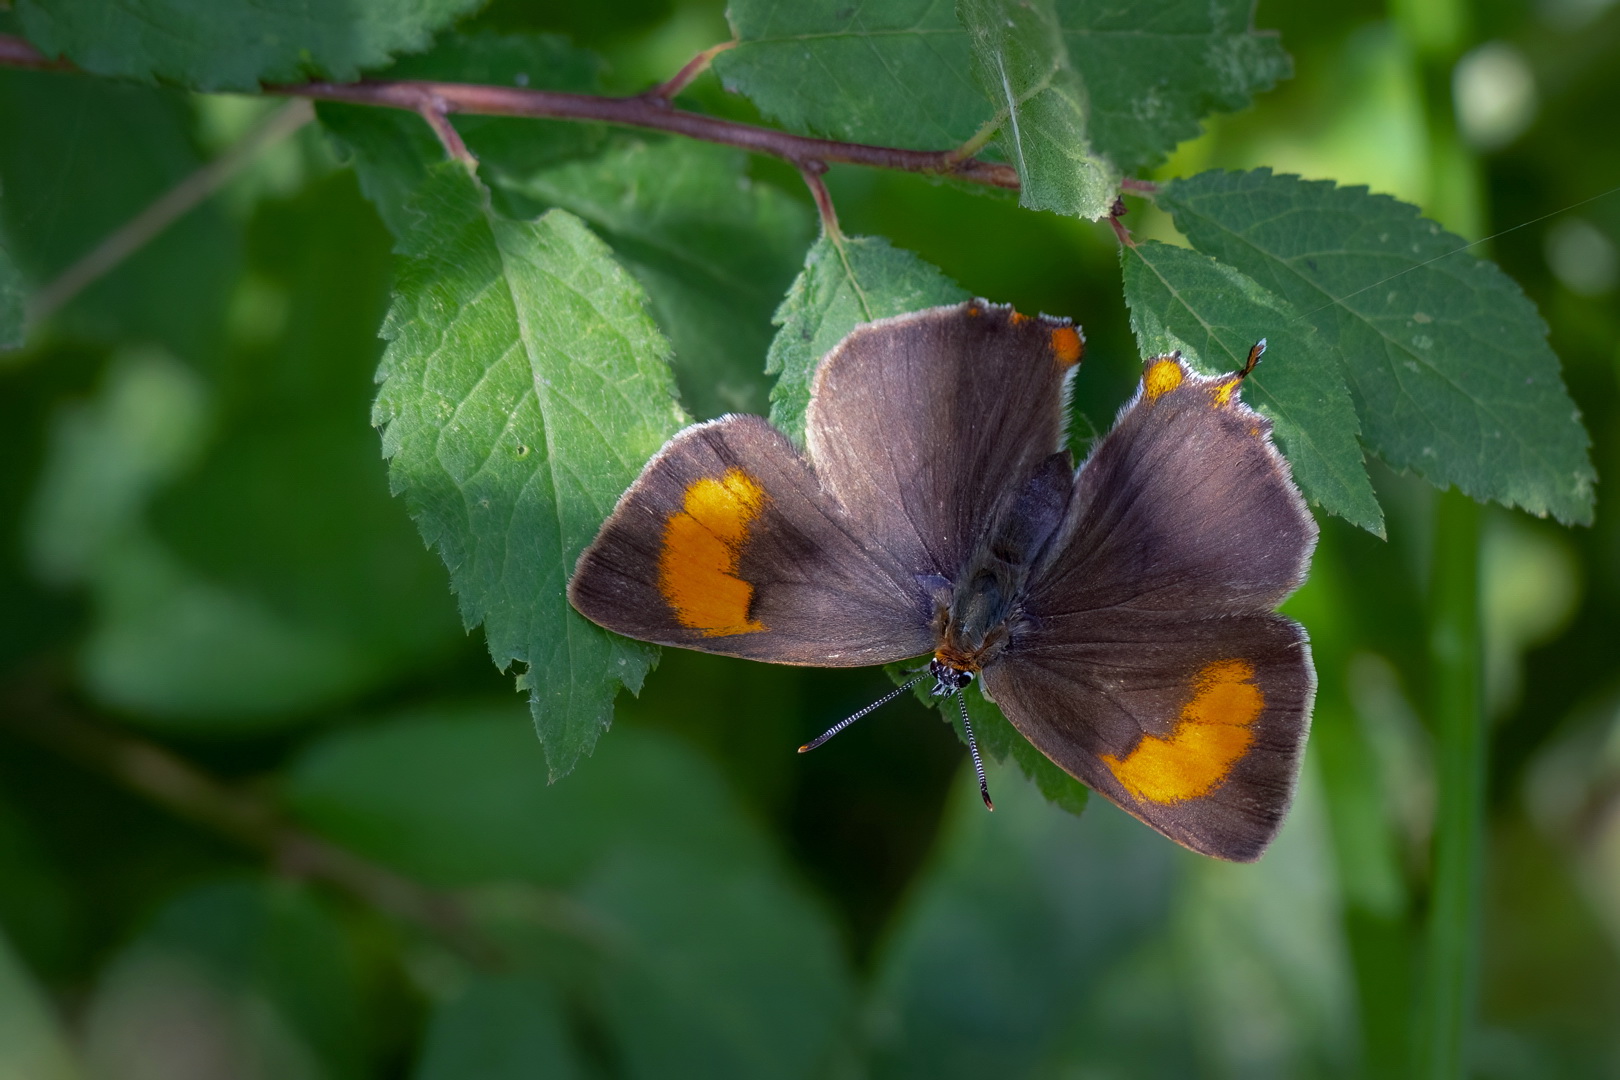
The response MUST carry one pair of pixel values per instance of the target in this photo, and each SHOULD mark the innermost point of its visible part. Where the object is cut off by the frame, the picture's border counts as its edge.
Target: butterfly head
(948, 677)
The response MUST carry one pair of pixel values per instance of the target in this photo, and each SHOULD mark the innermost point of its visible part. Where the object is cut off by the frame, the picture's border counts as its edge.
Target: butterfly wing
(727, 543)
(1147, 661)
(919, 428)
(925, 426)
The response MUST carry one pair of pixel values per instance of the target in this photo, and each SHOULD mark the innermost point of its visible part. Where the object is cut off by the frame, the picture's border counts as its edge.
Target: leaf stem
(33, 711)
(665, 92)
(639, 111)
(812, 172)
(1452, 951)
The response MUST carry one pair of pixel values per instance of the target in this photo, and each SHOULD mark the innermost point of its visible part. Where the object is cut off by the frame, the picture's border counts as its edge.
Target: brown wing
(1196, 728)
(1146, 660)
(727, 543)
(925, 427)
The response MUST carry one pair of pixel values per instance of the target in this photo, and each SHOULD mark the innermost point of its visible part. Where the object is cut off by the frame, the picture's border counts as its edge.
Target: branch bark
(643, 111)
(33, 710)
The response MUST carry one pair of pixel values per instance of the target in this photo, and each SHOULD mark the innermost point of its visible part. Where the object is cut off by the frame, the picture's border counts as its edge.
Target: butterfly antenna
(973, 750)
(844, 723)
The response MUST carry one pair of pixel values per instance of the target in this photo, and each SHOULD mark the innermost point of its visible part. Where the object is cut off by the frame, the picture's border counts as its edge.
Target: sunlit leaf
(1021, 64)
(234, 44)
(1183, 300)
(1445, 357)
(714, 250)
(523, 388)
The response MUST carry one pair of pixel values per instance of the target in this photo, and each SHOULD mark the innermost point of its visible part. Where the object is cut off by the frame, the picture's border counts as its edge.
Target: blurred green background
(360, 869)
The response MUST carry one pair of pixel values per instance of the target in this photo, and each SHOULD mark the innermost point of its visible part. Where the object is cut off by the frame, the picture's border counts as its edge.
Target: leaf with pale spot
(523, 388)
(1021, 64)
(1180, 299)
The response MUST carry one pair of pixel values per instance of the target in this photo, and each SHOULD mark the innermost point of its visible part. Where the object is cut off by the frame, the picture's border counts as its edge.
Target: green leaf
(1022, 66)
(32, 1043)
(1139, 76)
(1153, 69)
(78, 159)
(524, 387)
(1006, 934)
(234, 44)
(873, 71)
(847, 281)
(714, 250)
(11, 300)
(260, 970)
(1182, 300)
(1446, 358)
(501, 1027)
(999, 741)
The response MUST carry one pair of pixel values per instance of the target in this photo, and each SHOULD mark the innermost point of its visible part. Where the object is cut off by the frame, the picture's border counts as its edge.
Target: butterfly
(1121, 615)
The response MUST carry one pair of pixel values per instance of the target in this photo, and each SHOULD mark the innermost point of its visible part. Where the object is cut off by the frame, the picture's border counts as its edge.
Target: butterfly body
(1121, 615)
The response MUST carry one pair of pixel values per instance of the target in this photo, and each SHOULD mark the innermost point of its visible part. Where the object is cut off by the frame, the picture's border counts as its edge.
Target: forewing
(926, 426)
(1196, 728)
(727, 543)
(1184, 506)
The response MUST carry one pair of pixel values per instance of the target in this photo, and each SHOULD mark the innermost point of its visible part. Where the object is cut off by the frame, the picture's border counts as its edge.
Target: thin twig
(1145, 188)
(173, 204)
(812, 171)
(665, 92)
(638, 111)
(32, 710)
(435, 112)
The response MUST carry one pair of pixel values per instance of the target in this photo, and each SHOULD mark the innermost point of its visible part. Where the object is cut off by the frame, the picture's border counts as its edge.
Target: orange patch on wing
(1018, 318)
(1212, 733)
(1161, 377)
(1223, 393)
(703, 541)
(1067, 346)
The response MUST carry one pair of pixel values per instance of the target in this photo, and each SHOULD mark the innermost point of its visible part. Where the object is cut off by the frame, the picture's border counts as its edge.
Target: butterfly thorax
(976, 617)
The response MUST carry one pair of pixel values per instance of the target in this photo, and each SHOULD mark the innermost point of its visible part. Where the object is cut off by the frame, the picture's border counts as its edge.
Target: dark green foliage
(266, 809)
(234, 44)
